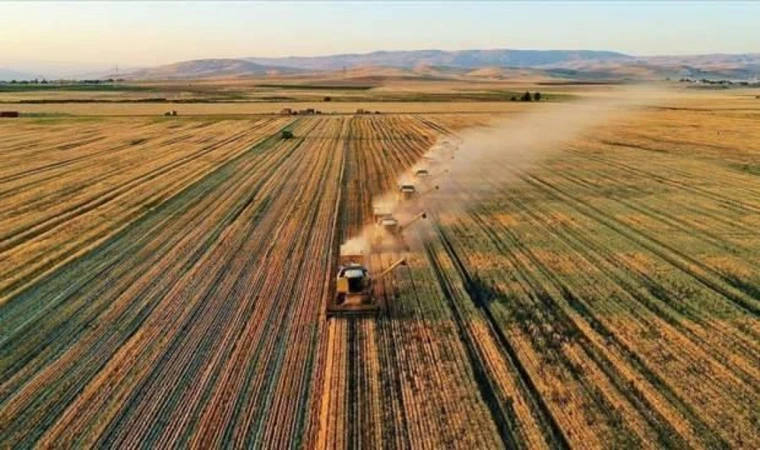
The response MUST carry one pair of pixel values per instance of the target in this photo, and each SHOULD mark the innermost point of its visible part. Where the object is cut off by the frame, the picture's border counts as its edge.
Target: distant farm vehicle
(9, 114)
(286, 134)
(170, 113)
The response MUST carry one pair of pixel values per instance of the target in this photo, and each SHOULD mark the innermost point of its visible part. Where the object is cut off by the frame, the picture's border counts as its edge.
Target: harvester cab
(407, 191)
(378, 212)
(421, 173)
(389, 224)
(386, 227)
(354, 294)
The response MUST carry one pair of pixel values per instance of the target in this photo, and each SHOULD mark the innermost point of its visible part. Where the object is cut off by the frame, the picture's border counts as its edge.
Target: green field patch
(331, 87)
(78, 87)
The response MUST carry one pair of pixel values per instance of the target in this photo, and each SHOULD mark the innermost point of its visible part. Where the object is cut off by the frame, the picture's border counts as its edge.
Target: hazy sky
(145, 33)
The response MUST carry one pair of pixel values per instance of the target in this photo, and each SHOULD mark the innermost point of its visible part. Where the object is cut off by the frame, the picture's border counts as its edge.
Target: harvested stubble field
(163, 282)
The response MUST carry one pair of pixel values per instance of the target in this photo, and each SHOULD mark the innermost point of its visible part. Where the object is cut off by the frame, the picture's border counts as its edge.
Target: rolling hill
(209, 68)
(462, 58)
(484, 64)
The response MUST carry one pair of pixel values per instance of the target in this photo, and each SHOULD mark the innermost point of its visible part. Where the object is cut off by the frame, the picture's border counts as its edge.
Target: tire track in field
(178, 203)
(550, 427)
(706, 276)
(607, 263)
(75, 212)
(667, 435)
(734, 204)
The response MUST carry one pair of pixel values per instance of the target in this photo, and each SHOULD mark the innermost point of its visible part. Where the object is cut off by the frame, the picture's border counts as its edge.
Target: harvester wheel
(340, 298)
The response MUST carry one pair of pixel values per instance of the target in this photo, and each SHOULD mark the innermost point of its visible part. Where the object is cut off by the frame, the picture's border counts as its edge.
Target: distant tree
(513, 99)
(14, 81)
(328, 99)
(537, 96)
(526, 97)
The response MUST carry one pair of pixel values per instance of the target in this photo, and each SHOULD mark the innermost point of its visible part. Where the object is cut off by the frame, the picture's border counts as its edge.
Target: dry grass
(162, 283)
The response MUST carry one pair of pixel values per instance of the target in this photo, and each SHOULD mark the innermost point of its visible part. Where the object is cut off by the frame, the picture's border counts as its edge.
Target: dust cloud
(357, 245)
(489, 157)
(466, 169)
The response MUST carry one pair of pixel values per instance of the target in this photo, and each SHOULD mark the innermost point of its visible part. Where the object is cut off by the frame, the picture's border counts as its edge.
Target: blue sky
(144, 33)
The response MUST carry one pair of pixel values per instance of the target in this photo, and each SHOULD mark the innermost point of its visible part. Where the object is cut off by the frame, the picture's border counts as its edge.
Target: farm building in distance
(9, 114)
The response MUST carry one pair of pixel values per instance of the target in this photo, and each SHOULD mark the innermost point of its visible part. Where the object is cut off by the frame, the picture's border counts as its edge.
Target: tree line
(527, 97)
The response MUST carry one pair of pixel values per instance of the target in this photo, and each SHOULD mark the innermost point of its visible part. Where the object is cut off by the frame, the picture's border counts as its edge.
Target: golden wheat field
(163, 281)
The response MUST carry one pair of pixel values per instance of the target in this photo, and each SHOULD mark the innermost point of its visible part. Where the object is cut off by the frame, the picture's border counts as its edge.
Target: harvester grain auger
(432, 189)
(428, 179)
(417, 217)
(438, 175)
(354, 287)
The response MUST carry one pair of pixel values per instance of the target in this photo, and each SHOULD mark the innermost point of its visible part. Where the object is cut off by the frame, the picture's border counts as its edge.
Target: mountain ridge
(480, 63)
(209, 68)
(459, 58)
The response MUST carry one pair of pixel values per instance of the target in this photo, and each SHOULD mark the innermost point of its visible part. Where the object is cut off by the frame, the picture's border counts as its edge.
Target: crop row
(61, 203)
(606, 297)
(186, 266)
(607, 293)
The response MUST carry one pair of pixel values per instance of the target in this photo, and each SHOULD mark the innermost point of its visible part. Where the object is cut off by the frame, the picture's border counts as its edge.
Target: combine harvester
(426, 178)
(409, 192)
(406, 192)
(387, 227)
(355, 287)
